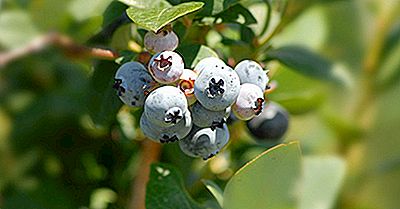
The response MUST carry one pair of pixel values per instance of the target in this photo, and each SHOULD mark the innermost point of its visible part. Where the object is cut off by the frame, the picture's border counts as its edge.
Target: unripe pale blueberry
(251, 72)
(133, 82)
(217, 87)
(270, 126)
(249, 102)
(204, 142)
(203, 117)
(166, 67)
(186, 85)
(166, 134)
(206, 63)
(164, 40)
(165, 106)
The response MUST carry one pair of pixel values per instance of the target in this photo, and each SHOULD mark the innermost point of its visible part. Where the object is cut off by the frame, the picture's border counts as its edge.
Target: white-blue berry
(204, 142)
(249, 102)
(166, 67)
(132, 83)
(203, 117)
(217, 87)
(165, 106)
(251, 72)
(206, 63)
(164, 40)
(166, 134)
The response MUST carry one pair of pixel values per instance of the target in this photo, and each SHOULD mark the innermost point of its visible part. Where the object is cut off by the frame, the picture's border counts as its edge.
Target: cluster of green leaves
(270, 180)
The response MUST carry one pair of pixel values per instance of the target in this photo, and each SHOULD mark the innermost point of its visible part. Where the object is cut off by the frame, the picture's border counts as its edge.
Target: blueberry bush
(202, 104)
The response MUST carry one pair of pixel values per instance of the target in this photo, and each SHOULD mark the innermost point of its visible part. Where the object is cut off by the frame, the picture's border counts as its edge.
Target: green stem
(371, 65)
(267, 19)
(276, 29)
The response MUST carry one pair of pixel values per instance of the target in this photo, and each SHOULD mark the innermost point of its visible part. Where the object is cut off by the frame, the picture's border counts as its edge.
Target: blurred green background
(64, 144)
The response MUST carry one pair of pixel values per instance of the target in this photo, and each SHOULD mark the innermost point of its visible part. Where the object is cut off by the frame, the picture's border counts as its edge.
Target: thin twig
(65, 43)
(150, 153)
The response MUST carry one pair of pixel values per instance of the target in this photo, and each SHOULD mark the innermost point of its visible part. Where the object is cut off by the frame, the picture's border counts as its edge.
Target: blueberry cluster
(190, 106)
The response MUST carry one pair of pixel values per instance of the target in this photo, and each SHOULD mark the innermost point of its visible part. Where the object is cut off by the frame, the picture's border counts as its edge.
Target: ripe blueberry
(217, 87)
(206, 63)
(164, 40)
(249, 102)
(132, 82)
(166, 67)
(204, 142)
(166, 134)
(165, 106)
(270, 125)
(251, 72)
(203, 117)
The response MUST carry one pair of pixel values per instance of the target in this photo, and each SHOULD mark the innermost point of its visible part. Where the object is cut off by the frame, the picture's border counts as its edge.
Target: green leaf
(156, 18)
(194, 53)
(112, 12)
(392, 39)
(48, 195)
(41, 11)
(247, 34)
(20, 200)
(165, 190)
(300, 102)
(100, 198)
(16, 29)
(211, 7)
(305, 62)
(103, 103)
(389, 72)
(202, 53)
(215, 190)
(84, 9)
(214, 7)
(322, 178)
(266, 182)
(146, 4)
(233, 14)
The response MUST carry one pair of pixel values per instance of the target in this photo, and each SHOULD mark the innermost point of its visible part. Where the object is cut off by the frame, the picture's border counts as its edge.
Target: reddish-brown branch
(66, 44)
(150, 153)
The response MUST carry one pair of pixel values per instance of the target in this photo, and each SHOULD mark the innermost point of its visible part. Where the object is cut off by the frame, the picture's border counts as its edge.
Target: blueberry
(132, 83)
(166, 134)
(204, 142)
(186, 85)
(165, 106)
(166, 67)
(251, 72)
(164, 40)
(203, 117)
(249, 102)
(206, 63)
(217, 87)
(270, 125)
